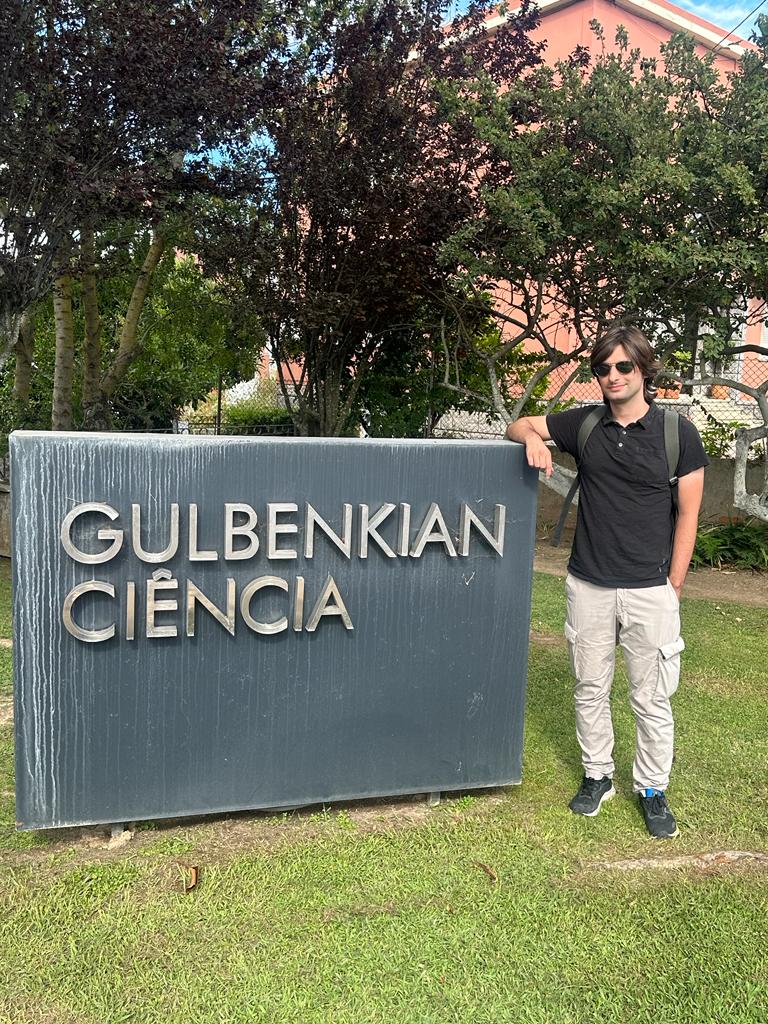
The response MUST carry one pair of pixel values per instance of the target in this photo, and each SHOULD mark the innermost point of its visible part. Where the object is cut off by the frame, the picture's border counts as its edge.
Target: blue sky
(725, 15)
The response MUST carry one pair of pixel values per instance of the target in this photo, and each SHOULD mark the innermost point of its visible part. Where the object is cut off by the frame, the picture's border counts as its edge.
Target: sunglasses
(603, 369)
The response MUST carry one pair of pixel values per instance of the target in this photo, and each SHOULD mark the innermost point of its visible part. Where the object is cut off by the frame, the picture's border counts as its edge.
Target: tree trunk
(753, 504)
(92, 336)
(128, 341)
(690, 342)
(61, 418)
(25, 347)
(10, 324)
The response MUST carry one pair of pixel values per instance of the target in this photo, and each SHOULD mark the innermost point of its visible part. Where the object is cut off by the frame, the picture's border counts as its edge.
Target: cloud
(725, 16)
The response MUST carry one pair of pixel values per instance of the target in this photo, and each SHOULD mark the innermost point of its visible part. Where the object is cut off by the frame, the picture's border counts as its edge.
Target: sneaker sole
(672, 835)
(593, 814)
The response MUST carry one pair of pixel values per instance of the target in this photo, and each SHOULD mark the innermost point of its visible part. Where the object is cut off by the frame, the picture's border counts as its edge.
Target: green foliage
(262, 409)
(743, 545)
(717, 437)
(404, 394)
(637, 188)
(188, 340)
(252, 412)
(103, 107)
(518, 370)
(566, 203)
(403, 404)
(338, 245)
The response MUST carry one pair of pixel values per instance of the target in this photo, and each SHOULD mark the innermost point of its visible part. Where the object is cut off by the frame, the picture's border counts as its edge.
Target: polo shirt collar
(645, 421)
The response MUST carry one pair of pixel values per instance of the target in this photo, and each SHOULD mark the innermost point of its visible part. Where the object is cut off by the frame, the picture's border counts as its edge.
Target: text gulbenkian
(247, 536)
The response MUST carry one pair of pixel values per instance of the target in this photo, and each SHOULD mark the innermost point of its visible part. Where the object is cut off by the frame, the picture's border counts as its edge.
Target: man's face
(620, 388)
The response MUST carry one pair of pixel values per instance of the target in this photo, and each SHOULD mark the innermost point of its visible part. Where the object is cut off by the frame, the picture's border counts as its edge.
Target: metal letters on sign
(207, 624)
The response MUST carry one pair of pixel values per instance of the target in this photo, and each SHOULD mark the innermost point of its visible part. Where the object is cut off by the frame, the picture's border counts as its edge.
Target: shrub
(743, 545)
(718, 438)
(252, 412)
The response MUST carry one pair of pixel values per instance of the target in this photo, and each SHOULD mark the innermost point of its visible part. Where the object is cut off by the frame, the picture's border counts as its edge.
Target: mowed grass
(487, 909)
(5, 597)
(6, 672)
(396, 927)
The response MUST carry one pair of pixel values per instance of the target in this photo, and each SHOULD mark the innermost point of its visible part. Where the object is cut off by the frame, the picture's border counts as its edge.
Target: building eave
(671, 18)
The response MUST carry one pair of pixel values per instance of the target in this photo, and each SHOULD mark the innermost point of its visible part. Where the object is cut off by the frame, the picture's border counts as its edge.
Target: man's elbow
(516, 430)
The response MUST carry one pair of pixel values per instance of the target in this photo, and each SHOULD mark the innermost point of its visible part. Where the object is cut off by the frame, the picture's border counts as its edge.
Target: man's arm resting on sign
(689, 491)
(532, 432)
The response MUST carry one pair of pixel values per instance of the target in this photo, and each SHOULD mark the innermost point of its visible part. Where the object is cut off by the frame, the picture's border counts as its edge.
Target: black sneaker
(592, 792)
(659, 820)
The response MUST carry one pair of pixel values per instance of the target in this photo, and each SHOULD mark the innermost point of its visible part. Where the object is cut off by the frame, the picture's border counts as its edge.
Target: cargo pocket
(573, 648)
(669, 667)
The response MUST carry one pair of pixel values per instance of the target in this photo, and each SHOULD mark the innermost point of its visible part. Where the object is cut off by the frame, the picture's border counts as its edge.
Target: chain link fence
(717, 411)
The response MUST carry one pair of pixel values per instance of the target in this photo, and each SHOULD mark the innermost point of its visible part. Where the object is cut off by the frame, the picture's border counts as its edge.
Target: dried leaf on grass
(191, 878)
(489, 871)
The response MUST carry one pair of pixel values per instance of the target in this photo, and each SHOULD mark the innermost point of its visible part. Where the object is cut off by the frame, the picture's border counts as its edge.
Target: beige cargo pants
(646, 623)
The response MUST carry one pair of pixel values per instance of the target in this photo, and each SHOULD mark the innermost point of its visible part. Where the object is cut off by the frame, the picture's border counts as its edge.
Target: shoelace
(589, 785)
(657, 805)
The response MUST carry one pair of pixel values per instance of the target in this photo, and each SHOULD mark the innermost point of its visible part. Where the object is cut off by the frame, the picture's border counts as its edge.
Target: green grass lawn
(5, 597)
(487, 909)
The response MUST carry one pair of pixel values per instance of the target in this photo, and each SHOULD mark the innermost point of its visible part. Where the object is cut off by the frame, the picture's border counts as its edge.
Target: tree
(708, 281)
(187, 342)
(404, 394)
(101, 107)
(359, 179)
(627, 197)
(561, 207)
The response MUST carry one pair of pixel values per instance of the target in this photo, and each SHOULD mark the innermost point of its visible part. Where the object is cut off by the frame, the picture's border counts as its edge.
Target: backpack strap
(586, 427)
(567, 502)
(588, 424)
(672, 450)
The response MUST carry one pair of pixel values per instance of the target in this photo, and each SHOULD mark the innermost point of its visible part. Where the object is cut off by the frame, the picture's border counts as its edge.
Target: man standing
(629, 561)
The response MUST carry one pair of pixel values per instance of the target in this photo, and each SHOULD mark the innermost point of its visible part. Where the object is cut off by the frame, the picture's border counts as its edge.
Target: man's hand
(539, 455)
(532, 432)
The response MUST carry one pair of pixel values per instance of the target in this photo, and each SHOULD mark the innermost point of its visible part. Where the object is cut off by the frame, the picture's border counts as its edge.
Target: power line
(745, 18)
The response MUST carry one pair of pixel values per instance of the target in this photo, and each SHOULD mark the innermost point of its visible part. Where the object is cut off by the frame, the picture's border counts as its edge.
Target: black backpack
(588, 424)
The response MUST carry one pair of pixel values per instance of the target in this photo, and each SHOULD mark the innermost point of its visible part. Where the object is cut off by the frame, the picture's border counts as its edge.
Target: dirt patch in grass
(6, 711)
(722, 686)
(30, 1011)
(659, 869)
(695, 866)
(547, 639)
(217, 840)
(715, 860)
(347, 913)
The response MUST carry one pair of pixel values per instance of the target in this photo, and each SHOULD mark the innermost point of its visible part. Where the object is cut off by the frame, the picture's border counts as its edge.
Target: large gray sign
(207, 624)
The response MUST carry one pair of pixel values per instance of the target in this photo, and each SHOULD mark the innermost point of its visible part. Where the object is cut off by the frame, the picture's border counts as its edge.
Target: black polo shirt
(625, 519)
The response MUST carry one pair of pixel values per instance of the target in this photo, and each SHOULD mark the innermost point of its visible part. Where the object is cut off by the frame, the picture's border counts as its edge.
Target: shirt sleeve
(563, 428)
(692, 454)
